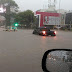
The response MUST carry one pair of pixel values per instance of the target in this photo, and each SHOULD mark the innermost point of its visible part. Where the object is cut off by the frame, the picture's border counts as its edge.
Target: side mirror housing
(57, 60)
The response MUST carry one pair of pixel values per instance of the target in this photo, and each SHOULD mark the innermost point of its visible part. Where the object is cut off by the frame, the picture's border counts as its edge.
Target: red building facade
(46, 18)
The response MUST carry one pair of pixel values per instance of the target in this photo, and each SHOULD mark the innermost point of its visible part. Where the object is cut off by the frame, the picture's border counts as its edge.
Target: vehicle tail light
(55, 32)
(44, 32)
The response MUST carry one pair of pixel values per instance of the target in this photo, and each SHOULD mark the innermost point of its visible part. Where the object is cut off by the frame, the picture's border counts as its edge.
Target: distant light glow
(54, 59)
(1, 10)
(49, 58)
(16, 24)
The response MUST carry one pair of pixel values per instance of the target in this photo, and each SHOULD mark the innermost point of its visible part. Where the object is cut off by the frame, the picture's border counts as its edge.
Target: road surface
(22, 51)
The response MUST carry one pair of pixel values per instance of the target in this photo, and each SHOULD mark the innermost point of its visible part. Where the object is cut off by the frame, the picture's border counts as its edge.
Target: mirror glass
(59, 61)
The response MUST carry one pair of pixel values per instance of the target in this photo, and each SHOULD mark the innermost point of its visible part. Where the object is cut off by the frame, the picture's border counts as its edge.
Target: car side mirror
(57, 60)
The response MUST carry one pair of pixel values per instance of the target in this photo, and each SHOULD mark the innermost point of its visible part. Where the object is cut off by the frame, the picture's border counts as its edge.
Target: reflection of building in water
(58, 55)
(69, 56)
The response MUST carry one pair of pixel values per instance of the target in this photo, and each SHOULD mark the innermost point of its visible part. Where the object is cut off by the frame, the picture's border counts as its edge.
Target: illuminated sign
(46, 18)
(51, 20)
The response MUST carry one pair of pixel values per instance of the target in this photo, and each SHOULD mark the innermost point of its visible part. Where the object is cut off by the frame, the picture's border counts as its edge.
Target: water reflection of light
(54, 59)
(43, 42)
(44, 37)
(49, 58)
(49, 54)
(55, 38)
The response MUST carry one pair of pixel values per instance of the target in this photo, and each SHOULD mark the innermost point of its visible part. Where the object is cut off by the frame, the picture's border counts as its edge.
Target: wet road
(22, 51)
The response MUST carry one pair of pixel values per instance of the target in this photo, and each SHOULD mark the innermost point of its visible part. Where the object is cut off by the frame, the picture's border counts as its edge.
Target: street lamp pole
(64, 17)
(59, 13)
(59, 5)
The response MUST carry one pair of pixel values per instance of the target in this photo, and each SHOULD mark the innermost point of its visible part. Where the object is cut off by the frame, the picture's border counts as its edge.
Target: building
(68, 18)
(51, 16)
(51, 9)
(62, 11)
(52, 19)
(48, 19)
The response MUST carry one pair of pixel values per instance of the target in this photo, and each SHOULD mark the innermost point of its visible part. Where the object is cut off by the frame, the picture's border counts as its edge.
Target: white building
(62, 11)
(50, 9)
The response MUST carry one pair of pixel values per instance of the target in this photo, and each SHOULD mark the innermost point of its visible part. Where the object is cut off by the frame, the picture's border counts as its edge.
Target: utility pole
(70, 25)
(59, 14)
(64, 17)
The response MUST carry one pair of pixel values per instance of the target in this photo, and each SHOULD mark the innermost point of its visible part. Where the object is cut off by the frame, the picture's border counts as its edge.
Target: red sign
(46, 18)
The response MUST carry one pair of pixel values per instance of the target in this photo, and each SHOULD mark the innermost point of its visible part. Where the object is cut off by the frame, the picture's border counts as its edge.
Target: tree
(5, 2)
(26, 18)
(9, 5)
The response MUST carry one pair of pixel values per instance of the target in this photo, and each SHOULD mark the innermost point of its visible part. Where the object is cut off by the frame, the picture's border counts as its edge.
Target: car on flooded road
(45, 31)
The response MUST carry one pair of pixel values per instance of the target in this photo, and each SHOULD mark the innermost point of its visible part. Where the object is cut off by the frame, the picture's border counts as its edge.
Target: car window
(44, 29)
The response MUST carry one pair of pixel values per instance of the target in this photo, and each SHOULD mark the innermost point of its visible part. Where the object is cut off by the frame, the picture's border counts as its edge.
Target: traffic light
(16, 24)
